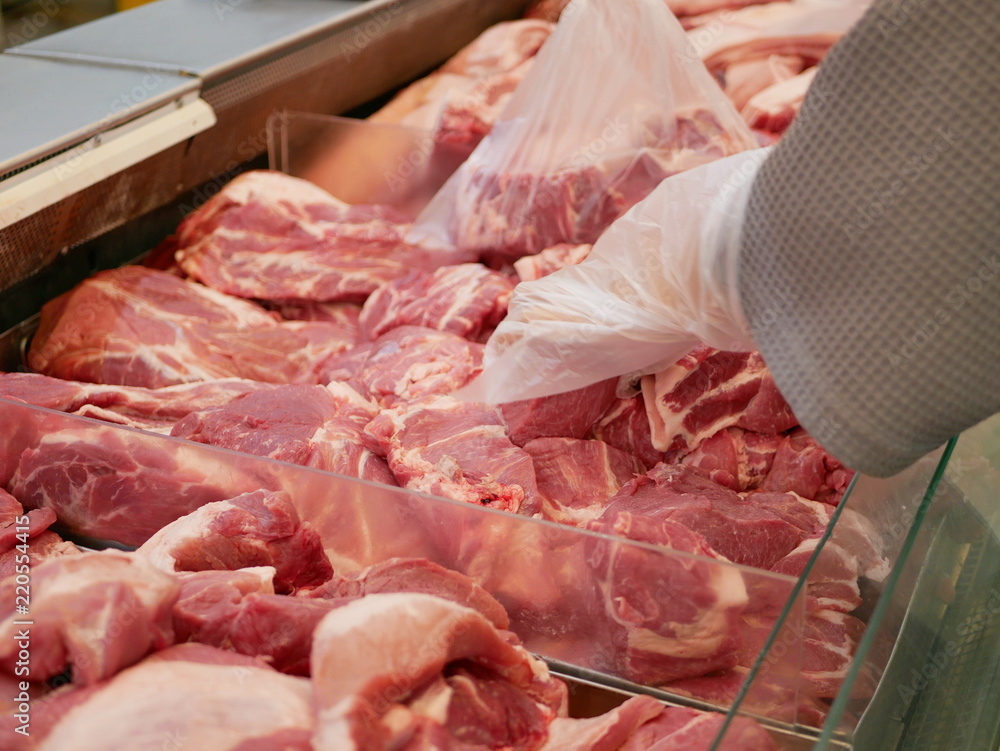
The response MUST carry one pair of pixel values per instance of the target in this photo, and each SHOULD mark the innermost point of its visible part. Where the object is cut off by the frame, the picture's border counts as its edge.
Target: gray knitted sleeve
(869, 262)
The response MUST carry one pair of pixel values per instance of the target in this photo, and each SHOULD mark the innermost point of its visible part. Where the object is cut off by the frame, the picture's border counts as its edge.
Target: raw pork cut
(407, 364)
(209, 600)
(773, 108)
(551, 10)
(757, 530)
(626, 427)
(153, 409)
(673, 616)
(260, 528)
(643, 723)
(550, 260)
(268, 236)
(314, 426)
(186, 332)
(113, 484)
(276, 628)
(461, 100)
(708, 390)
(567, 415)
(42, 543)
(358, 681)
(93, 612)
(737, 459)
(576, 477)
(803, 466)
(508, 215)
(456, 450)
(468, 300)
(413, 575)
(191, 697)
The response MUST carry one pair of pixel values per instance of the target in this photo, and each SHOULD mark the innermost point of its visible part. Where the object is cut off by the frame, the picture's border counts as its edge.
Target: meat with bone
(576, 478)
(154, 409)
(119, 485)
(738, 459)
(413, 575)
(134, 326)
(457, 450)
(708, 390)
(268, 236)
(757, 530)
(189, 696)
(626, 427)
(567, 415)
(378, 652)
(260, 528)
(314, 426)
(468, 300)
(93, 612)
(407, 364)
(550, 260)
(673, 616)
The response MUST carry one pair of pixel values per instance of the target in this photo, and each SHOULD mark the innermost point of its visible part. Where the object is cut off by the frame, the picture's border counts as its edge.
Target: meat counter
(192, 118)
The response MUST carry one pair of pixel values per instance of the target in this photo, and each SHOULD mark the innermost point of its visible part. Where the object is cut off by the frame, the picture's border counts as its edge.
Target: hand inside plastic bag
(658, 282)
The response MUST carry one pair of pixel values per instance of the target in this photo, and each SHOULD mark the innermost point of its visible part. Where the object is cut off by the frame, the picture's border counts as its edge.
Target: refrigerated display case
(144, 127)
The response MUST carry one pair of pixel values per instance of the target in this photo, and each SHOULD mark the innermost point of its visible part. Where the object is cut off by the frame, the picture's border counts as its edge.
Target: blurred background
(24, 20)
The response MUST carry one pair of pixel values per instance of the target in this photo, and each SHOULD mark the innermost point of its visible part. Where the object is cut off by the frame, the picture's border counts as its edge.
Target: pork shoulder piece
(194, 697)
(674, 615)
(467, 300)
(413, 575)
(40, 541)
(567, 415)
(457, 450)
(313, 426)
(134, 326)
(119, 485)
(407, 364)
(389, 649)
(93, 612)
(756, 530)
(550, 260)
(269, 236)
(606, 732)
(576, 478)
(261, 528)
(708, 390)
(149, 408)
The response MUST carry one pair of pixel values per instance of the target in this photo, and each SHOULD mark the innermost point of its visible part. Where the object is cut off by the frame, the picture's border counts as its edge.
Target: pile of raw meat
(229, 629)
(295, 327)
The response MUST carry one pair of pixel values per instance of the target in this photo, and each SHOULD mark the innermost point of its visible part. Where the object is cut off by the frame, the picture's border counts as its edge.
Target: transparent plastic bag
(660, 281)
(611, 106)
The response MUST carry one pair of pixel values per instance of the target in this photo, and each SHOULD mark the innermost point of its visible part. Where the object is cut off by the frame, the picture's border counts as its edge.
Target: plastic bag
(612, 105)
(660, 281)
